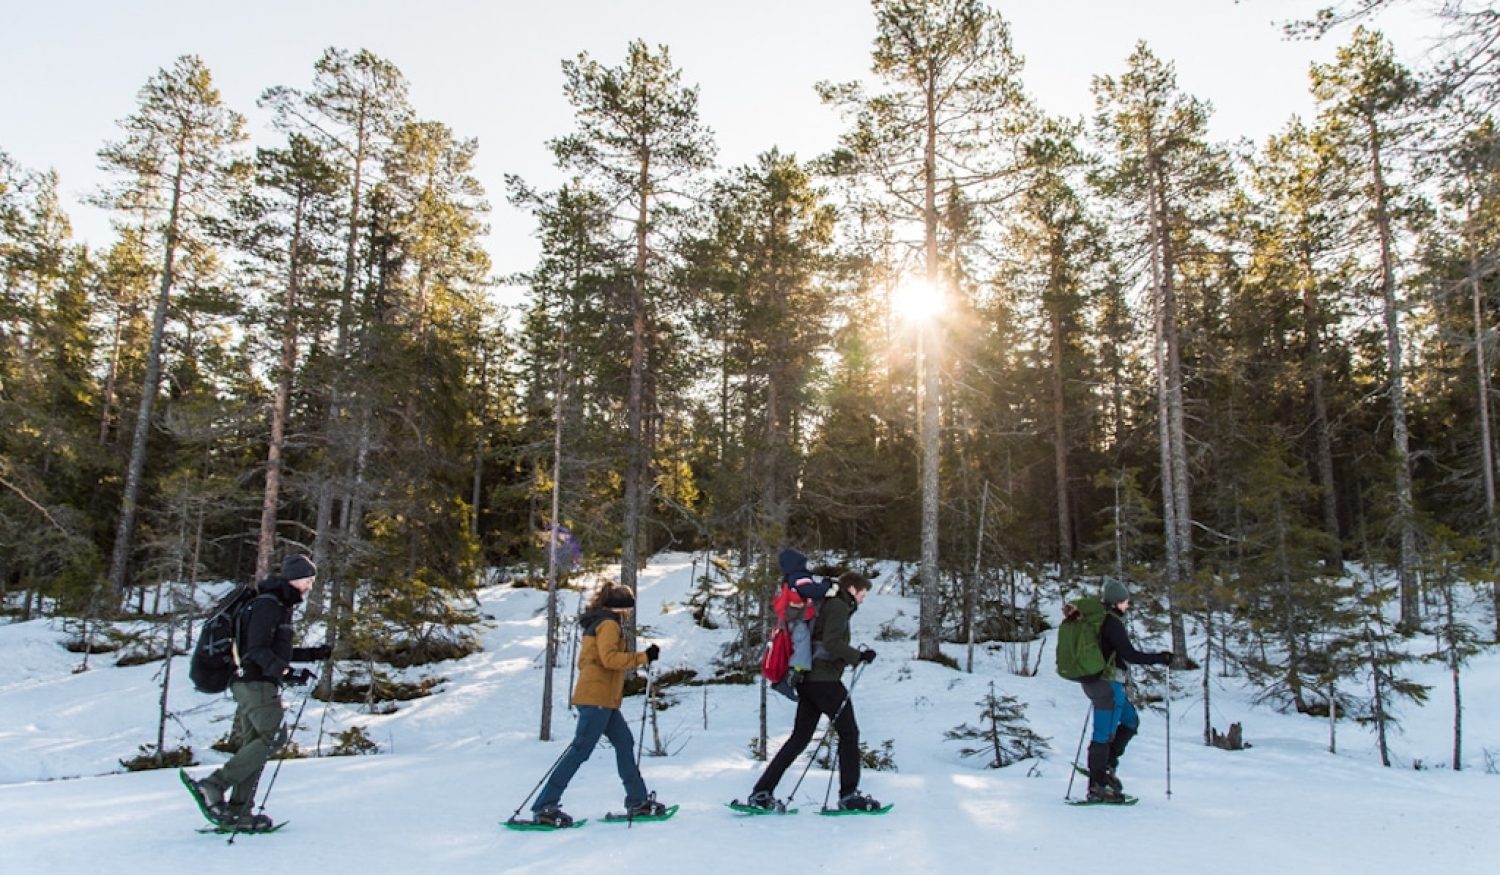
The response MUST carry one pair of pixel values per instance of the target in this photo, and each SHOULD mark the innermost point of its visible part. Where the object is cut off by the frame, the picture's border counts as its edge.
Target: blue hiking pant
(594, 722)
(1111, 709)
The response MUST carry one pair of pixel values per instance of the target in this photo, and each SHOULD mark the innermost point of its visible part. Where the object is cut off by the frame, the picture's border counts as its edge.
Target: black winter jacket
(1114, 641)
(265, 633)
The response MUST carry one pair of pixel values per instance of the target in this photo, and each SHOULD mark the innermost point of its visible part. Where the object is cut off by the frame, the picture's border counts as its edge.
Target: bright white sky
(490, 68)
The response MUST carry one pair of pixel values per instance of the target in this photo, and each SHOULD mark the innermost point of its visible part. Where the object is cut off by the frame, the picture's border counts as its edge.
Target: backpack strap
(239, 621)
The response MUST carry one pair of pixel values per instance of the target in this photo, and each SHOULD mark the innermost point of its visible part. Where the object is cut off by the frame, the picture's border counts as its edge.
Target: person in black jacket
(1115, 719)
(264, 638)
(823, 693)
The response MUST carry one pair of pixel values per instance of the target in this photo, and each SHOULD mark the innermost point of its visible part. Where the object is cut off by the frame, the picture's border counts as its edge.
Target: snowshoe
(660, 812)
(761, 802)
(227, 829)
(857, 803)
(548, 819)
(1104, 794)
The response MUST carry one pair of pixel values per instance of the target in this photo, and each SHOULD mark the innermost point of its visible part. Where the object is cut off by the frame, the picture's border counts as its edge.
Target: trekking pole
(1073, 772)
(1169, 730)
(545, 775)
(277, 771)
(640, 744)
(849, 695)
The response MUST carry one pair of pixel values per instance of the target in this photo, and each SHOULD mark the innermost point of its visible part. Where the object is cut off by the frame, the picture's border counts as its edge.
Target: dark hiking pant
(594, 722)
(817, 699)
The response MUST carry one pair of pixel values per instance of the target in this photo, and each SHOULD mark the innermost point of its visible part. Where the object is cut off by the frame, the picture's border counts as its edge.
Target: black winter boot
(1100, 786)
(1117, 745)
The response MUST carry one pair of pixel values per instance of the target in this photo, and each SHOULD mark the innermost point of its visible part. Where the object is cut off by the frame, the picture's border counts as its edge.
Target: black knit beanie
(298, 567)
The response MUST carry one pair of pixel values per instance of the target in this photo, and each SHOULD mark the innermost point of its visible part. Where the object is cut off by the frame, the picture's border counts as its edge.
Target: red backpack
(778, 658)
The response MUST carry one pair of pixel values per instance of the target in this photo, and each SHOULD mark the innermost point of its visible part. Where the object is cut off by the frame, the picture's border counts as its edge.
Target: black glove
(1166, 657)
(319, 653)
(653, 653)
(299, 677)
(867, 655)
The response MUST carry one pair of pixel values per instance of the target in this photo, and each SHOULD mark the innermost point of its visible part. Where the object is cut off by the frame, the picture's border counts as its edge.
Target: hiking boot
(250, 822)
(1106, 794)
(764, 800)
(646, 808)
(1113, 782)
(552, 816)
(210, 795)
(857, 801)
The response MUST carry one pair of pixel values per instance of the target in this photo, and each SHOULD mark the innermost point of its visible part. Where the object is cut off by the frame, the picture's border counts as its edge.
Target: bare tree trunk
(120, 558)
(558, 408)
(1405, 508)
(1181, 485)
(928, 372)
(984, 502)
(1170, 528)
(635, 455)
(271, 500)
(1486, 439)
(1333, 560)
(1060, 448)
(1207, 685)
(107, 403)
(476, 489)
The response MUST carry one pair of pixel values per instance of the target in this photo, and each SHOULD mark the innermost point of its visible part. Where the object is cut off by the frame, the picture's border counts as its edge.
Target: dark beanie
(1114, 592)
(619, 597)
(298, 567)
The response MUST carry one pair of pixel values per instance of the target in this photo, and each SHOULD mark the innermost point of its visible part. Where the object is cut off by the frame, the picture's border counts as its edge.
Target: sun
(917, 301)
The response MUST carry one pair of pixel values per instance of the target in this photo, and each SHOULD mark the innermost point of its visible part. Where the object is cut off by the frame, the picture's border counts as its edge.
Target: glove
(319, 653)
(653, 653)
(299, 677)
(1166, 657)
(867, 655)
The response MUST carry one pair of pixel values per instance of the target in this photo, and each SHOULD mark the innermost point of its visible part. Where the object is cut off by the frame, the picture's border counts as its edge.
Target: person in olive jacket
(266, 655)
(1115, 719)
(823, 692)
(602, 664)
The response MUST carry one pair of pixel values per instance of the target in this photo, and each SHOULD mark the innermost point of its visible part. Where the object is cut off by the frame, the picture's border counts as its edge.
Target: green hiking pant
(257, 723)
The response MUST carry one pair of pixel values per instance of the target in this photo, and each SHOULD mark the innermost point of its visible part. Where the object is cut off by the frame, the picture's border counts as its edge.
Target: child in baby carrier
(796, 608)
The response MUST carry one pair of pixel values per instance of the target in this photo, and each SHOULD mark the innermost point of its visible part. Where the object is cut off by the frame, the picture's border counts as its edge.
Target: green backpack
(1079, 657)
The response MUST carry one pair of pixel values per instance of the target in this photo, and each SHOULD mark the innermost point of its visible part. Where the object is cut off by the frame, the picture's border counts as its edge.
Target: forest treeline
(1254, 379)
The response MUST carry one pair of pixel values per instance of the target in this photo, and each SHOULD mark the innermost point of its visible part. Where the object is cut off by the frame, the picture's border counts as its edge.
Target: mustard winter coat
(603, 661)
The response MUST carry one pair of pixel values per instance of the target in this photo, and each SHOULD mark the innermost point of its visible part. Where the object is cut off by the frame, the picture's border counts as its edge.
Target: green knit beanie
(1113, 593)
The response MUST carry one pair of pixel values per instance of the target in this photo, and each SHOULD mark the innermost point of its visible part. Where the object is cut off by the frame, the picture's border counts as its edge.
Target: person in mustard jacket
(602, 664)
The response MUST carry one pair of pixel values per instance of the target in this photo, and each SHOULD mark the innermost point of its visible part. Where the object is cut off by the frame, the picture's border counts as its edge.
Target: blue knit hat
(1114, 592)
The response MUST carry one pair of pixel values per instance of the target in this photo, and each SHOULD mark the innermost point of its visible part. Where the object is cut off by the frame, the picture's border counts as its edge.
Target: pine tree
(950, 94)
(1164, 174)
(639, 143)
(177, 166)
(1003, 736)
(286, 226)
(1363, 97)
(355, 104)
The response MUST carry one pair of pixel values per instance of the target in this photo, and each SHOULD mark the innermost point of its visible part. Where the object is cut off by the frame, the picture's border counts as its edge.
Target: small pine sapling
(1003, 736)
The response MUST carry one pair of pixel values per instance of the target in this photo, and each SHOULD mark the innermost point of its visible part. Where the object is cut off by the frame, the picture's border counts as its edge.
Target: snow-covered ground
(457, 763)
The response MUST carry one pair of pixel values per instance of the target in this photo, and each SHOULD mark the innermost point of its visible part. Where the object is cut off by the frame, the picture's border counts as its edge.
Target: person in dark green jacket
(822, 692)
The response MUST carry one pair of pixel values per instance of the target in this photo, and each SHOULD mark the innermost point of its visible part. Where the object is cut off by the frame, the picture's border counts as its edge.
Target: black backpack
(216, 657)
